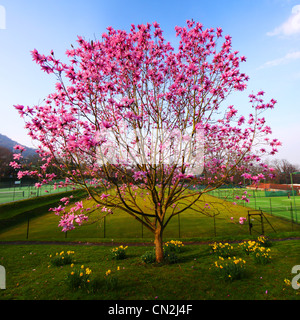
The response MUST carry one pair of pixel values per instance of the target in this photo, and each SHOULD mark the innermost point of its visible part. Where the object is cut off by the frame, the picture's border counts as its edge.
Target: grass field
(282, 206)
(43, 225)
(18, 192)
(30, 276)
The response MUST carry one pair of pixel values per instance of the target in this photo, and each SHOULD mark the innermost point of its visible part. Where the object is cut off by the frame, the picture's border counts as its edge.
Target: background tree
(132, 118)
(283, 170)
(6, 156)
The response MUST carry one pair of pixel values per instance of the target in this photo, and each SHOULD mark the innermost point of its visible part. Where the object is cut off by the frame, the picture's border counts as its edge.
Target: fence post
(292, 218)
(215, 231)
(27, 234)
(178, 226)
(262, 224)
(249, 222)
(104, 226)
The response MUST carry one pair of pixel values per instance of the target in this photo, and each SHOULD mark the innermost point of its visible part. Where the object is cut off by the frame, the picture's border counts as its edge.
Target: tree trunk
(159, 251)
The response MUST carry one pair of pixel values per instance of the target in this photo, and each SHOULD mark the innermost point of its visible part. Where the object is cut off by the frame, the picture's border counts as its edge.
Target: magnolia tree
(137, 124)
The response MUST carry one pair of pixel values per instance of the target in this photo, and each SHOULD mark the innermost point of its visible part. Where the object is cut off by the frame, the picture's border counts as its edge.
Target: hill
(9, 144)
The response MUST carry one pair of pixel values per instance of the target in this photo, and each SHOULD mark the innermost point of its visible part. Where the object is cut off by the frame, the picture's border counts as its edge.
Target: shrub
(170, 256)
(222, 249)
(230, 269)
(79, 278)
(264, 241)
(174, 246)
(149, 257)
(119, 253)
(248, 246)
(261, 255)
(259, 250)
(61, 259)
(111, 281)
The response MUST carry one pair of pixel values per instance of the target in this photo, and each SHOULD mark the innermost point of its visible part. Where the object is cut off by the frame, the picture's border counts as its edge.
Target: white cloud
(296, 9)
(291, 26)
(286, 59)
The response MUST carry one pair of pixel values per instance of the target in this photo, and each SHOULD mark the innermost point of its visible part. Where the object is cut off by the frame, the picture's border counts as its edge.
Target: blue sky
(267, 32)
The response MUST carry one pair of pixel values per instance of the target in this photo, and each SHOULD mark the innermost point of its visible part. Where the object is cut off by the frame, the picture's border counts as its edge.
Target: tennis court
(285, 206)
(19, 192)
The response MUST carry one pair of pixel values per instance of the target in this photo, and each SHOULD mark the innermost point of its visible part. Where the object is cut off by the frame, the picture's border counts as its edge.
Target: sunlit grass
(30, 275)
(217, 218)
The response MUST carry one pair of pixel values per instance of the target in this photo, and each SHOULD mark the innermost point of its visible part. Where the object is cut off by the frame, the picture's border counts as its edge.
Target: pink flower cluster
(242, 220)
(132, 83)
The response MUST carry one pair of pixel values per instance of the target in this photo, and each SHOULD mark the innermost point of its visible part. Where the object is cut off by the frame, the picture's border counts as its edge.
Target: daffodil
(88, 271)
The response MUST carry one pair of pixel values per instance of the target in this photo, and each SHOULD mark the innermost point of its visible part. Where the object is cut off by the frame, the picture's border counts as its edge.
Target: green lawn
(44, 225)
(283, 206)
(19, 192)
(29, 275)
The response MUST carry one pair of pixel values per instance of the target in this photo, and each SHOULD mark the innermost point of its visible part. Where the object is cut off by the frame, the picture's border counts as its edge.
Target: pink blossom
(15, 165)
(138, 175)
(241, 120)
(242, 220)
(18, 147)
(78, 205)
(246, 175)
(135, 82)
(106, 124)
(57, 210)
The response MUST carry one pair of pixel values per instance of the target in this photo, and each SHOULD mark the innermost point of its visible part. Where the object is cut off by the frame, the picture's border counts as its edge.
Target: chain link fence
(15, 191)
